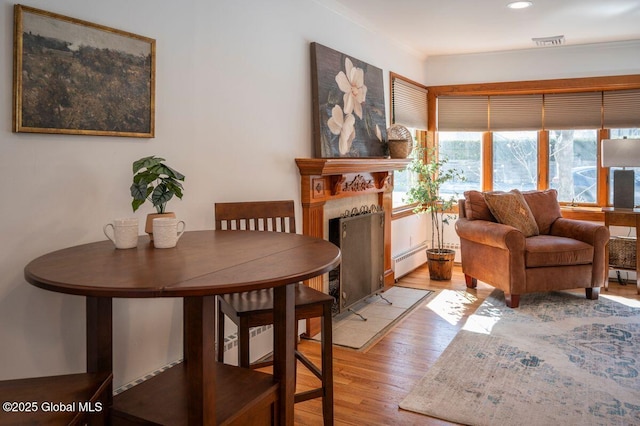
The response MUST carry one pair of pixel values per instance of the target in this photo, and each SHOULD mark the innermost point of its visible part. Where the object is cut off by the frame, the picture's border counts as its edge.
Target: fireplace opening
(360, 236)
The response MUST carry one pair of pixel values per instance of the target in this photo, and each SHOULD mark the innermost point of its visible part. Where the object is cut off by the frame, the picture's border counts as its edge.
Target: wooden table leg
(99, 317)
(99, 334)
(199, 346)
(637, 251)
(607, 264)
(283, 350)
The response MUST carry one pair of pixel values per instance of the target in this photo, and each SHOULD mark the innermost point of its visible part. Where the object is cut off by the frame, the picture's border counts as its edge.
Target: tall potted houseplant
(156, 182)
(431, 175)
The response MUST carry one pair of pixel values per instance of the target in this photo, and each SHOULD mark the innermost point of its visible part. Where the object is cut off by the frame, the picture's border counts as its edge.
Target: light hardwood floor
(368, 386)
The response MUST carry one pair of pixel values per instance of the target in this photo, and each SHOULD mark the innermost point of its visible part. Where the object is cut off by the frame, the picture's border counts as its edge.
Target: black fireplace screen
(360, 237)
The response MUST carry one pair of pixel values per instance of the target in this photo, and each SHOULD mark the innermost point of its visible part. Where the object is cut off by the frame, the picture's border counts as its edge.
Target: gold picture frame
(76, 77)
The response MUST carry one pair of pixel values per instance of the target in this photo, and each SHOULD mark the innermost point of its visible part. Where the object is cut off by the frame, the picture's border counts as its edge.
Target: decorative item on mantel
(426, 192)
(400, 141)
(156, 182)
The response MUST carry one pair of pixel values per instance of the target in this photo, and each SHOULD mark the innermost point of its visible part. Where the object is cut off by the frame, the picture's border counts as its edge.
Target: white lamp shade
(620, 153)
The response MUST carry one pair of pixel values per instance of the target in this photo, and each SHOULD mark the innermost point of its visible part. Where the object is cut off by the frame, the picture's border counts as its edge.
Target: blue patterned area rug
(558, 359)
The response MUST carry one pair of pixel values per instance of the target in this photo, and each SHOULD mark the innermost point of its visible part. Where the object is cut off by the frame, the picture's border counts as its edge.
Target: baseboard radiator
(409, 260)
(455, 247)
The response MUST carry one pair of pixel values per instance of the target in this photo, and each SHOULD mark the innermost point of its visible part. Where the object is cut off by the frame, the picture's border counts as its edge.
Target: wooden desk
(625, 217)
(204, 264)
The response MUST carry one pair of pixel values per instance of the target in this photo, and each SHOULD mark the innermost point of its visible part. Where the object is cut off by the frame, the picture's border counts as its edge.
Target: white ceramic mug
(165, 231)
(125, 232)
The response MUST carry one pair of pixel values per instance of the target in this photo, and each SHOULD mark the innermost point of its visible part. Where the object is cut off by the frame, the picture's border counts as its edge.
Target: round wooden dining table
(201, 266)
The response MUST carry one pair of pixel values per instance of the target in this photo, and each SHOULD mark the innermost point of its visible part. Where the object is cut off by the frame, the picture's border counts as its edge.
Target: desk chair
(255, 308)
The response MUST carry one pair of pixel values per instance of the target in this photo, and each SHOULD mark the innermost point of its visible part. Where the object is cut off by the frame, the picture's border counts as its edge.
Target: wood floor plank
(369, 385)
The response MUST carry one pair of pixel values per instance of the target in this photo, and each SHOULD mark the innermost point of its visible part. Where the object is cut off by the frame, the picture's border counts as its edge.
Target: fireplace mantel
(332, 166)
(323, 179)
(326, 179)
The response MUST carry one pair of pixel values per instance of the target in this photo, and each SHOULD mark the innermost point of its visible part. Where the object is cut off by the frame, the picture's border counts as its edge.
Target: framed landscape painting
(348, 105)
(75, 77)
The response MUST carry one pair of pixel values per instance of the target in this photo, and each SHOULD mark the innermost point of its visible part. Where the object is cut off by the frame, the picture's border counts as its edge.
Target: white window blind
(573, 111)
(621, 109)
(463, 113)
(582, 110)
(515, 112)
(409, 104)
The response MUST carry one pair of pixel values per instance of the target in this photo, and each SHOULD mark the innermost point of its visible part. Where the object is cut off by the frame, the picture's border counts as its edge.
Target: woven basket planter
(622, 252)
(399, 148)
(400, 141)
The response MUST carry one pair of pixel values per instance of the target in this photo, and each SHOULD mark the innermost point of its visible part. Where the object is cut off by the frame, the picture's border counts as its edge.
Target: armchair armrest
(490, 234)
(588, 232)
(591, 233)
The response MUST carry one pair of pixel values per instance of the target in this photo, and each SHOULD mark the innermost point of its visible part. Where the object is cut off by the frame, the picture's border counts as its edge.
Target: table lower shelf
(70, 399)
(243, 397)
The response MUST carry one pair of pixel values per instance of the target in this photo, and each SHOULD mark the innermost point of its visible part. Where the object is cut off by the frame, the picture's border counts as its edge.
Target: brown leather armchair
(566, 253)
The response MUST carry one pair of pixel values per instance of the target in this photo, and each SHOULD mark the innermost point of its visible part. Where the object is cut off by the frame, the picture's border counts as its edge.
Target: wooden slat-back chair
(277, 216)
(255, 308)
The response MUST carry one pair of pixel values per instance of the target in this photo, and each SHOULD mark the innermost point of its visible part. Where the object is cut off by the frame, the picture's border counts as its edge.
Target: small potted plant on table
(156, 182)
(431, 175)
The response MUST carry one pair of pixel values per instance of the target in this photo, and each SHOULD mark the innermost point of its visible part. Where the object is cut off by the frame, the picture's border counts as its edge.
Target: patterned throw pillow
(510, 208)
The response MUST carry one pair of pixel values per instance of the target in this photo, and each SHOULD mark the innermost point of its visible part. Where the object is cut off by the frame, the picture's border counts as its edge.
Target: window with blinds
(564, 156)
(408, 108)
(583, 110)
(408, 104)
(621, 109)
(515, 113)
(573, 110)
(463, 113)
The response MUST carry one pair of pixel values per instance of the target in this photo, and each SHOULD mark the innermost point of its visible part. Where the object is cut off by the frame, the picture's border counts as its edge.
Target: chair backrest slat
(277, 216)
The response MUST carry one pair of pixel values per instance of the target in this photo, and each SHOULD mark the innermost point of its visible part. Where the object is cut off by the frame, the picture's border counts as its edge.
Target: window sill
(583, 213)
(403, 211)
(593, 214)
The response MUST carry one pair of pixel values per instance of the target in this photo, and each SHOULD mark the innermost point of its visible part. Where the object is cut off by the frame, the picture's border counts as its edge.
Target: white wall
(233, 110)
(604, 59)
(409, 232)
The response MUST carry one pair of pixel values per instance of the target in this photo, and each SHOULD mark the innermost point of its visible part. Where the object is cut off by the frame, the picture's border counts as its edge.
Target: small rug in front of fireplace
(351, 331)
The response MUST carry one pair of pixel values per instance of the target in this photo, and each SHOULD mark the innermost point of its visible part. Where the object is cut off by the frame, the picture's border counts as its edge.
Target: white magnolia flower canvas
(348, 105)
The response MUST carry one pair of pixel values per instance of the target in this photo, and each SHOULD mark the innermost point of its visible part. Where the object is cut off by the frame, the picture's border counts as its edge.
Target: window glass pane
(403, 179)
(573, 161)
(515, 161)
(620, 134)
(463, 152)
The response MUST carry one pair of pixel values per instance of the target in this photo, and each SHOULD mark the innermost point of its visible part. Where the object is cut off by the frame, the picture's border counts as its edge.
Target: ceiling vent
(549, 41)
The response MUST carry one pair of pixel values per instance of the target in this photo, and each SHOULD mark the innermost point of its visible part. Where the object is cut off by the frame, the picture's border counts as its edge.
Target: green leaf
(145, 178)
(172, 173)
(146, 162)
(136, 204)
(161, 195)
(139, 191)
(174, 187)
